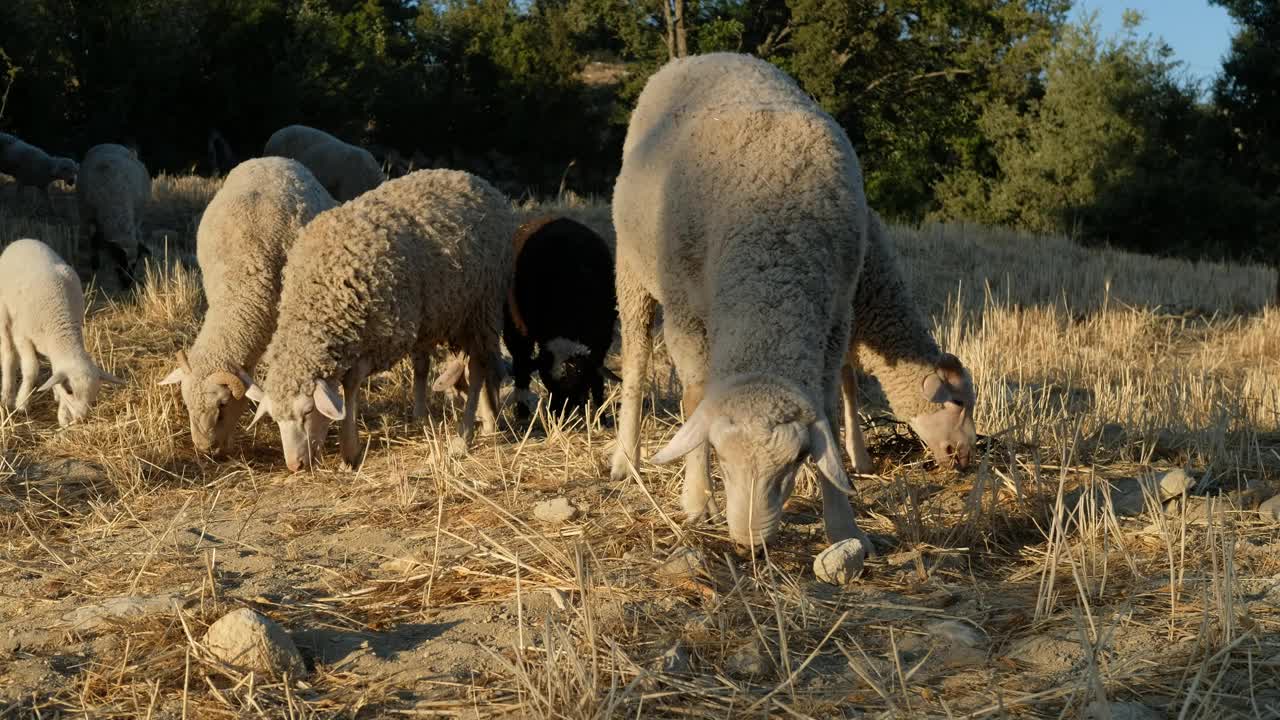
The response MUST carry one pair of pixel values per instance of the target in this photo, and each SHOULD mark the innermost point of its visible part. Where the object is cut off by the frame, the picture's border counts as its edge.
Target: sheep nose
(294, 465)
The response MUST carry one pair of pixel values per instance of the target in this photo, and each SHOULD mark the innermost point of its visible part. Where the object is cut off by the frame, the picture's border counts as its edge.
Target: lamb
(241, 244)
(113, 191)
(419, 261)
(891, 340)
(561, 302)
(41, 311)
(345, 170)
(31, 166)
(740, 209)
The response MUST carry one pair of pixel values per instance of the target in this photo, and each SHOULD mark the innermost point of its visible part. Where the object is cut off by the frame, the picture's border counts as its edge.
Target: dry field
(424, 586)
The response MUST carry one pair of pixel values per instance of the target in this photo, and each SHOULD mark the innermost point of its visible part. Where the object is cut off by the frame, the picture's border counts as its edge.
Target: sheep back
(346, 171)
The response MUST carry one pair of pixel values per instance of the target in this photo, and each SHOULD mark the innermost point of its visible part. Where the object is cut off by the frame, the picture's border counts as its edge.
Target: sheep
(740, 209)
(561, 302)
(345, 170)
(113, 191)
(419, 261)
(222, 159)
(241, 244)
(31, 166)
(41, 311)
(891, 340)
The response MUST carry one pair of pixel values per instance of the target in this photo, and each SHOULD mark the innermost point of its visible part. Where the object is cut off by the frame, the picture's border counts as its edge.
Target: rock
(555, 510)
(1175, 483)
(1048, 654)
(956, 633)
(402, 565)
(1098, 710)
(128, 606)
(1270, 509)
(685, 562)
(249, 641)
(675, 659)
(841, 563)
(747, 661)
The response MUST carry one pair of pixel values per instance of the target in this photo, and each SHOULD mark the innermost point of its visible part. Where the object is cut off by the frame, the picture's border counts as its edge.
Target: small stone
(558, 597)
(841, 563)
(1175, 483)
(956, 633)
(675, 659)
(402, 565)
(747, 661)
(128, 606)
(1098, 710)
(1270, 509)
(685, 562)
(457, 447)
(247, 640)
(556, 510)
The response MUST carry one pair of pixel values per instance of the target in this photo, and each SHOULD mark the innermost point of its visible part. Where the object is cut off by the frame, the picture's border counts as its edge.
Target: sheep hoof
(621, 467)
(457, 447)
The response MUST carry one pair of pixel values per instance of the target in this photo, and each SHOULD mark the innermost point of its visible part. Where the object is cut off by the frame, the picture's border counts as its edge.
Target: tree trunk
(670, 28)
(682, 46)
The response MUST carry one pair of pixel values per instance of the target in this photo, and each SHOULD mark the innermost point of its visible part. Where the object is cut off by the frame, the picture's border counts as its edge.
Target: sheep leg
(521, 349)
(489, 393)
(30, 371)
(854, 442)
(636, 309)
(9, 368)
(477, 368)
(421, 379)
(837, 512)
(687, 344)
(349, 437)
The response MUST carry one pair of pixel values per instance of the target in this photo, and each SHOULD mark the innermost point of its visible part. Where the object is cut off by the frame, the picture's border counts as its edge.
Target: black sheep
(562, 304)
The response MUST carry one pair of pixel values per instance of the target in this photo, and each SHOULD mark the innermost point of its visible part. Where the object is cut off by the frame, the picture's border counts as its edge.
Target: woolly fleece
(41, 311)
(241, 246)
(31, 166)
(740, 209)
(345, 170)
(113, 190)
(419, 261)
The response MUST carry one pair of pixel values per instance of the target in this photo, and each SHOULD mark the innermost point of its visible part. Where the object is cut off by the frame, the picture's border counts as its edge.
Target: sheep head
(567, 370)
(76, 388)
(947, 428)
(762, 430)
(303, 419)
(214, 403)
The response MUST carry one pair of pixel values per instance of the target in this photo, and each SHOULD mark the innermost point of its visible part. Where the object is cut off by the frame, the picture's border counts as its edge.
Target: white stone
(841, 563)
(1270, 509)
(556, 510)
(249, 641)
(685, 562)
(128, 606)
(1175, 483)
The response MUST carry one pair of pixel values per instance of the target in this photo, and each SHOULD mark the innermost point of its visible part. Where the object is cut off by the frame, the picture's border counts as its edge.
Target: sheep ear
(328, 401)
(609, 375)
(826, 453)
(174, 377)
(935, 389)
(108, 377)
(264, 405)
(449, 378)
(54, 379)
(690, 438)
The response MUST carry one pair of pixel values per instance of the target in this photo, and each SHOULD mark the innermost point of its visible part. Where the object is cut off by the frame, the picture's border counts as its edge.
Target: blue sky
(1199, 33)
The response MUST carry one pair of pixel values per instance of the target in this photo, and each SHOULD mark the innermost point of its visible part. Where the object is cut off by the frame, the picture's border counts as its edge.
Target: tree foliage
(991, 110)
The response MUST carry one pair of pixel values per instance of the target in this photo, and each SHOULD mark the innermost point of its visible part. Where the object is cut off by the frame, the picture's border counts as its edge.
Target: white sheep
(345, 170)
(891, 340)
(740, 209)
(241, 245)
(420, 261)
(113, 190)
(32, 167)
(41, 311)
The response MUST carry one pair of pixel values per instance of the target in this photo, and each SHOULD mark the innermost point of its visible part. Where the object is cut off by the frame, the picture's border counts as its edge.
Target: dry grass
(422, 586)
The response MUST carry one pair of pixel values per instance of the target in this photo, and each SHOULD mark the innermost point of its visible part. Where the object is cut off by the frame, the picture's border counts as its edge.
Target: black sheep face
(566, 370)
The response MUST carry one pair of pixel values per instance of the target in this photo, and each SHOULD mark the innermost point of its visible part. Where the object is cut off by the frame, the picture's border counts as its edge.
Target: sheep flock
(741, 242)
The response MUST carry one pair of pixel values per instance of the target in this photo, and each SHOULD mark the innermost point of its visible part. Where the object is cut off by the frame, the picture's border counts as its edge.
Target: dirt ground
(1053, 580)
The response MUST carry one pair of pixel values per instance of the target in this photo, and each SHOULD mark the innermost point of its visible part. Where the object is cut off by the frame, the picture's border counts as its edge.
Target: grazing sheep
(420, 261)
(345, 170)
(930, 389)
(740, 209)
(222, 159)
(241, 245)
(562, 303)
(31, 166)
(113, 191)
(41, 311)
